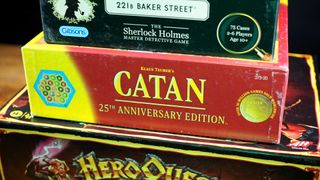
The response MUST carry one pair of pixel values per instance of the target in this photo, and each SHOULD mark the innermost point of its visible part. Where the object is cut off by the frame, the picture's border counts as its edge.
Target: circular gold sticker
(256, 108)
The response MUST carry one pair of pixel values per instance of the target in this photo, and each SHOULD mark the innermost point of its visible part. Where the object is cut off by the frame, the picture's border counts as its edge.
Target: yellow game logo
(173, 90)
(152, 167)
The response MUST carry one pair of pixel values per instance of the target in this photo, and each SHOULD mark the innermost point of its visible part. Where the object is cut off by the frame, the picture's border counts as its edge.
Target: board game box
(42, 148)
(165, 92)
(238, 29)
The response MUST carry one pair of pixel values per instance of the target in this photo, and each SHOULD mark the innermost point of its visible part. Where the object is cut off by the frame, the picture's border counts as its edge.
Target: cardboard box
(231, 28)
(185, 94)
(37, 147)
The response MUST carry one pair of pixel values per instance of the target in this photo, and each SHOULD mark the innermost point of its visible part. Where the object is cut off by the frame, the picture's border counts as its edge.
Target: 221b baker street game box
(165, 92)
(42, 148)
(229, 28)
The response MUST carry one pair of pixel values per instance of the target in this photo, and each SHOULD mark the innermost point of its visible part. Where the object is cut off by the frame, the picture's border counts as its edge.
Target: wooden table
(11, 72)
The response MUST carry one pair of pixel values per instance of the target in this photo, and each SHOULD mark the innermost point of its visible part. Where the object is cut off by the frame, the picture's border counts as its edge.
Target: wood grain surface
(12, 77)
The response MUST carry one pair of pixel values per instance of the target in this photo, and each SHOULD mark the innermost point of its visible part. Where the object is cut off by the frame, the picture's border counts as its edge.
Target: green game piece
(60, 89)
(53, 77)
(45, 93)
(62, 100)
(59, 78)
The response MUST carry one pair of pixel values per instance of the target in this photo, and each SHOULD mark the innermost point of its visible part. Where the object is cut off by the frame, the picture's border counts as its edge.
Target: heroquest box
(55, 149)
(165, 92)
(243, 29)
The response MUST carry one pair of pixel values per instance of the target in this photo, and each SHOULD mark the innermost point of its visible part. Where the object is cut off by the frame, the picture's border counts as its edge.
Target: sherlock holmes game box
(42, 148)
(165, 92)
(230, 28)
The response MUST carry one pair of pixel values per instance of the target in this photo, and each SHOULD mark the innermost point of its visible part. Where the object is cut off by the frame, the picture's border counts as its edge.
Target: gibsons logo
(73, 11)
(91, 167)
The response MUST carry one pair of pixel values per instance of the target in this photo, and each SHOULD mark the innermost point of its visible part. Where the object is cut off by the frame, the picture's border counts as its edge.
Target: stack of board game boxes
(158, 89)
(43, 148)
(188, 67)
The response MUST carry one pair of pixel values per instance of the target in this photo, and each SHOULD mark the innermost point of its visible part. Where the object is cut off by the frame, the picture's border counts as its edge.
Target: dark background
(20, 22)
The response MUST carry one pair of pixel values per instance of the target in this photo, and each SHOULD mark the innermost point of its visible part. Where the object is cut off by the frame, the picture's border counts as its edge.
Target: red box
(185, 94)
(31, 148)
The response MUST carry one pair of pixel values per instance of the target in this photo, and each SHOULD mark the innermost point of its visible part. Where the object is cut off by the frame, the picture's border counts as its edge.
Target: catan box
(165, 92)
(41, 148)
(243, 29)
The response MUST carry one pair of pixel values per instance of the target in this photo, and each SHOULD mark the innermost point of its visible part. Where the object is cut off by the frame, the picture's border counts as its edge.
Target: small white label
(180, 9)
